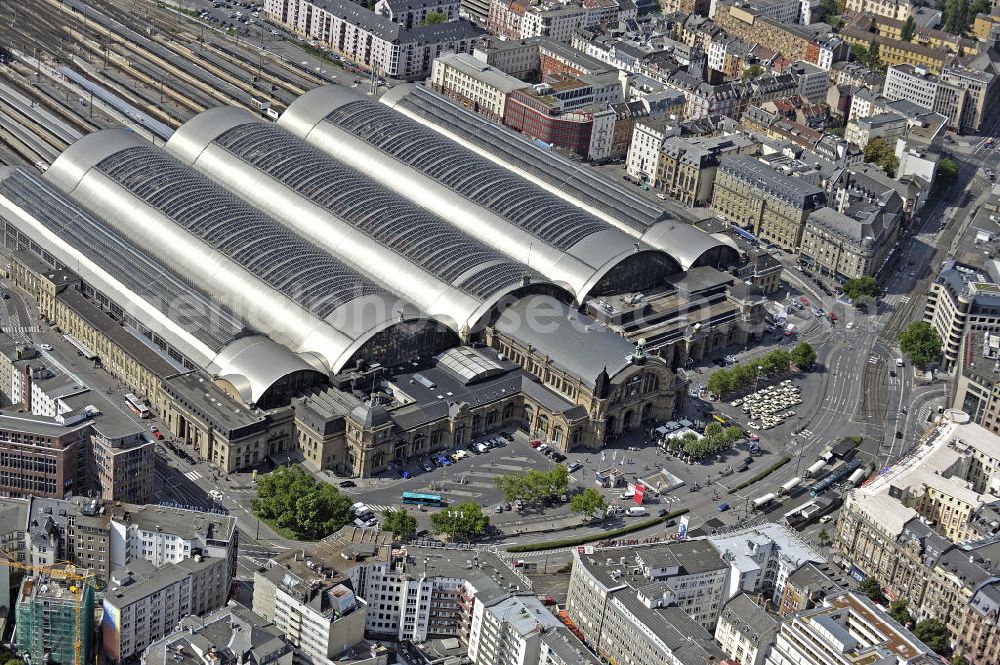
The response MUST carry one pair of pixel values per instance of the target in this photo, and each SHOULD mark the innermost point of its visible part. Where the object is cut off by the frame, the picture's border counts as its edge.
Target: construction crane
(62, 570)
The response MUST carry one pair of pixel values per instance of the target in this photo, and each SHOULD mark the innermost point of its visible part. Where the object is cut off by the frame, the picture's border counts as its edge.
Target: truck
(815, 468)
(790, 485)
(763, 501)
(856, 477)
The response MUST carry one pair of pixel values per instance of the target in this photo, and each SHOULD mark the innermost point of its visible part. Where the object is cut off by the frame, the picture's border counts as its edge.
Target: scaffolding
(54, 615)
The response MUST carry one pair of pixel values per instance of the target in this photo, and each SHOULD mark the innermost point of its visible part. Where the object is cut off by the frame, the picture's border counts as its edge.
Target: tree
(588, 502)
(534, 486)
(872, 57)
(899, 612)
(433, 18)
(909, 29)
(959, 660)
(461, 522)
(291, 499)
(934, 634)
(400, 523)
(823, 536)
(861, 288)
(882, 153)
(947, 171)
(751, 72)
(871, 588)
(803, 355)
(859, 53)
(920, 343)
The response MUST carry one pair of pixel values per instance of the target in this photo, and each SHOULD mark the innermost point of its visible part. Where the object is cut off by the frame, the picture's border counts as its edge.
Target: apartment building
(228, 636)
(144, 603)
(809, 585)
(847, 628)
(892, 52)
(853, 243)
(516, 57)
(509, 631)
(477, 86)
(752, 195)
(812, 80)
(745, 630)
(789, 39)
(649, 605)
(686, 167)
(378, 42)
(557, 21)
(895, 9)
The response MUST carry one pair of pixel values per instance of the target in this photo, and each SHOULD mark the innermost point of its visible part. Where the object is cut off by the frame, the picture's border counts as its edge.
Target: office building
(473, 84)
(686, 167)
(773, 206)
(926, 90)
(851, 244)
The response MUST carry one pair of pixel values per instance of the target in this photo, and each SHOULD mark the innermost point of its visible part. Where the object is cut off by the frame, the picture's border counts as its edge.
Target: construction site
(54, 617)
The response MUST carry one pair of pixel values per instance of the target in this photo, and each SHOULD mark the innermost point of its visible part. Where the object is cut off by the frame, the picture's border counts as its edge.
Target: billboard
(682, 528)
(640, 490)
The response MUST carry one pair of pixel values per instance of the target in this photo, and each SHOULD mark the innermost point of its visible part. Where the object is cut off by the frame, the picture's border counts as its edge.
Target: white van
(635, 511)
(899, 362)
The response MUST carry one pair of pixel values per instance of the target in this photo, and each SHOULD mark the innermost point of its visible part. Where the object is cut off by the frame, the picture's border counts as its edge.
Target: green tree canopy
(861, 288)
(534, 486)
(752, 72)
(899, 611)
(803, 355)
(464, 521)
(291, 499)
(433, 18)
(400, 523)
(725, 381)
(909, 29)
(587, 502)
(871, 588)
(934, 634)
(947, 171)
(882, 152)
(920, 343)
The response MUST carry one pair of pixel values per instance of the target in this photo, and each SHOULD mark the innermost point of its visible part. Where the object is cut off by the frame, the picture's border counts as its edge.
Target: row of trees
(725, 381)
(292, 500)
(716, 438)
(869, 57)
(534, 486)
(957, 15)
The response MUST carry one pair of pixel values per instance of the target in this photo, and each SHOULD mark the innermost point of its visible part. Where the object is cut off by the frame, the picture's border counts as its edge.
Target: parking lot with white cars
(770, 406)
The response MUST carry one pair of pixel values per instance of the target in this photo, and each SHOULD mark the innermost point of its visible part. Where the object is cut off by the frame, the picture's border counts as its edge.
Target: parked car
(347, 483)
(723, 507)
(46, 347)
(574, 465)
(403, 473)
(426, 466)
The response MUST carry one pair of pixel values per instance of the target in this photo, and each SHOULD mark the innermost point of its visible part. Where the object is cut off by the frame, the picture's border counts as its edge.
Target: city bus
(136, 405)
(416, 499)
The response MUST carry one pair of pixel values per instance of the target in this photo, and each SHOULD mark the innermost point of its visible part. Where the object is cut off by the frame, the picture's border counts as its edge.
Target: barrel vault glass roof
(408, 230)
(225, 222)
(489, 185)
(583, 184)
(208, 321)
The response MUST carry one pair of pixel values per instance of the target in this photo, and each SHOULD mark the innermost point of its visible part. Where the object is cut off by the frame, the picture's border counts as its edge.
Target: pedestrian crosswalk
(806, 434)
(379, 508)
(873, 360)
(904, 299)
(192, 475)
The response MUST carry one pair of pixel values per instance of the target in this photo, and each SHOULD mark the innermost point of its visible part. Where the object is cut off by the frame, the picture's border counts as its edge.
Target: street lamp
(760, 368)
